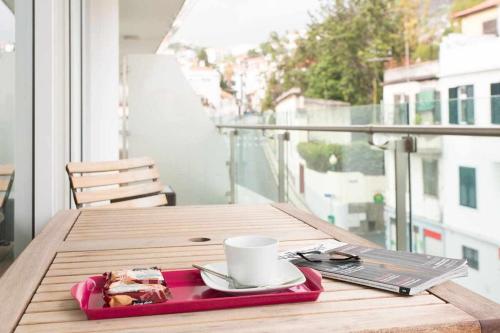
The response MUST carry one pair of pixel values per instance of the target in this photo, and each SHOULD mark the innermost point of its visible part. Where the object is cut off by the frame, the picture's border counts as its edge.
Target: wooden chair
(6, 181)
(131, 183)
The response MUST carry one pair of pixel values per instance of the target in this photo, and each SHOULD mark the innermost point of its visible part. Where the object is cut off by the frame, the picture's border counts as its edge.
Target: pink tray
(190, 294)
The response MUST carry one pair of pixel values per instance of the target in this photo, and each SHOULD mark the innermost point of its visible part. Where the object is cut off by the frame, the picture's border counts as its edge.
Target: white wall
(51, 120)
(289, 111)
(409, 89)
(101, 80)
(483, 155)
(347, 187)
(322, 112)
(425, 206)
(485, 280)
(461, 54)
(473, 24)
(481, 82)
(456, 69)
(205, 82)
(168, 123)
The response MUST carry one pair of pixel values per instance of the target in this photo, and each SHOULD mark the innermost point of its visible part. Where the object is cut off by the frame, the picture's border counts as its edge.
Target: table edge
(19, 283)
(485, 311)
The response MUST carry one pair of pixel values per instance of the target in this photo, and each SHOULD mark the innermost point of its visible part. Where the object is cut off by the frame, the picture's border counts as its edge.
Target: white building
(344, 195)
(205, 81)
(456, 180)
(250, 81)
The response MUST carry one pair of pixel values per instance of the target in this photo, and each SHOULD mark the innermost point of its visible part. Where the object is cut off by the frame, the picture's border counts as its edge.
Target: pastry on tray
(135, 287)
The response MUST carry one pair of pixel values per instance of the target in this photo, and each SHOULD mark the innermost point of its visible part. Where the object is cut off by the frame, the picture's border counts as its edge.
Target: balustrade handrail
(460, 130)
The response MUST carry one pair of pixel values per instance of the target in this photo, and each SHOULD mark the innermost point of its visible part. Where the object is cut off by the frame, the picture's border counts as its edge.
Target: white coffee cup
(252, 260)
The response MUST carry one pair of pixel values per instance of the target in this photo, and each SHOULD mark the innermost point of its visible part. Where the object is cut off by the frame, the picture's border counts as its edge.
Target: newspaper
(402, 272)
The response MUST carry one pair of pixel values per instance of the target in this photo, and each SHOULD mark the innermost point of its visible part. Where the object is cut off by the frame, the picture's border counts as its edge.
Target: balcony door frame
(24, 200)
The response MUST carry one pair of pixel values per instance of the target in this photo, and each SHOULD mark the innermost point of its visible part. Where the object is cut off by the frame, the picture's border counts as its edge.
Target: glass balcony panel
(495, 110)
(455, 184)
(257, 166)
(343, 180)
(7, 138)
(15, 64)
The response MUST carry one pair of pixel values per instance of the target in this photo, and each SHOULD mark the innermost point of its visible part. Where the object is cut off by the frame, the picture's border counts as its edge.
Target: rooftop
(477, 9)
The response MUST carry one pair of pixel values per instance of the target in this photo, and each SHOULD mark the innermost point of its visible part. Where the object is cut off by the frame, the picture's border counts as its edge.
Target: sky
(227, 23)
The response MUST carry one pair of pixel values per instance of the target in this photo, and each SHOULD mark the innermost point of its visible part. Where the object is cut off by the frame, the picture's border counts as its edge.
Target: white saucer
(286, 272)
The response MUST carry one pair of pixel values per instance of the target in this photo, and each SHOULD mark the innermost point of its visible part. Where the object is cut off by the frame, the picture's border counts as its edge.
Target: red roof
(476, 9)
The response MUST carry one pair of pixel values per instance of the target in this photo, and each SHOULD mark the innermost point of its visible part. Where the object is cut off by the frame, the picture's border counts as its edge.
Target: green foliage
(317, 155)
(426, 52)
(224, 85)
(274, 47)
(459, 5)
(356, 157)
(252, 53)
(342, 55)
(272, 92)
(348, 42)
(418, 119)
(339, 58)
(271, 120)
(361, 157)
(202, 56)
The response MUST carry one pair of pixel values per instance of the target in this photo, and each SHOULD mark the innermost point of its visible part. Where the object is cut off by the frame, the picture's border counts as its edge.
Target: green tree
(272, 92)
(274, 47)
(202, 56)
(458, 5)
(252, 53)
(422, 36)
(356, 157)
(339, 58)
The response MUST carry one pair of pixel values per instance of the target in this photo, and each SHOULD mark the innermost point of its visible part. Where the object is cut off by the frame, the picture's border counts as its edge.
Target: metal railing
(465, 130)
(402, 148)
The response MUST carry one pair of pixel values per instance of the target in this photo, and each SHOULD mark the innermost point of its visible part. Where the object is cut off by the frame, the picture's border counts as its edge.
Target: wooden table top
(35, 295)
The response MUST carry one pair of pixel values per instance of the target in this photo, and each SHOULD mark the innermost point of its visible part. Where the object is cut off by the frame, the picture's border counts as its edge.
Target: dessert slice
(135, 287)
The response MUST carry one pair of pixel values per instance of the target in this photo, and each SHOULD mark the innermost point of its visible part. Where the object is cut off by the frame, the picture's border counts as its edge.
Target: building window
(468, 187)
(495, 103)
(490, 27)
(461, 105)
(401, 110)
(430, 177)
(428, 106)
(472, 257)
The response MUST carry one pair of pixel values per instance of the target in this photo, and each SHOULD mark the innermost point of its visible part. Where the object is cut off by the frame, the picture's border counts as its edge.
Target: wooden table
(35, 295)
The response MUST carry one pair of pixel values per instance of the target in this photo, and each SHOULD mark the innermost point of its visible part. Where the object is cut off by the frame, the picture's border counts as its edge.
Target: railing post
(232, 166)
(282, 137)
(401, 162)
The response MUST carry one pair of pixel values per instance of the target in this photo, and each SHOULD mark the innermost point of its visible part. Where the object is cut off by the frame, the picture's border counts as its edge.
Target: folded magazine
(397, 271)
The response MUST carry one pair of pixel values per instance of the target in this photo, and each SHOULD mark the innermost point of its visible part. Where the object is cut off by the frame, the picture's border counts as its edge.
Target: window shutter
(495, 89)
(467, 178)
(495, 103)
(469, 91)
(453, 112)
(452, 93)
(463, 188)
(469, 104)
(469, 111)
(453, 105)
(472, 188)
(490, 27)
(437, 107)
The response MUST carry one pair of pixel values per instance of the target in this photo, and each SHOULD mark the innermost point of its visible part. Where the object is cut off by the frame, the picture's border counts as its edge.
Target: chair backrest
(130, 183)
(6, 180)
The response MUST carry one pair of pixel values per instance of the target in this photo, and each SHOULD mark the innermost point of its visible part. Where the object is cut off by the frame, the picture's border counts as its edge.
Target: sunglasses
(335, 256)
